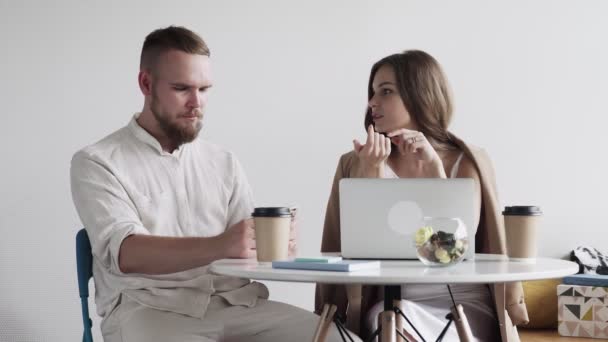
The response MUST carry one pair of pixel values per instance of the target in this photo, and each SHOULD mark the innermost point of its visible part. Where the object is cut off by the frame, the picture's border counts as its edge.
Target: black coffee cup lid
(271, 212)
(522, 210)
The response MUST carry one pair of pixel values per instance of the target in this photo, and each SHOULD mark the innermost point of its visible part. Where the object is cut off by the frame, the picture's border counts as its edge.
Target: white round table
(484, 269)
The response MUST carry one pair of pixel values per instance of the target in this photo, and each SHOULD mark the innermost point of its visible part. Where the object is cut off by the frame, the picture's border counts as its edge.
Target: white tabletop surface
(485, 269)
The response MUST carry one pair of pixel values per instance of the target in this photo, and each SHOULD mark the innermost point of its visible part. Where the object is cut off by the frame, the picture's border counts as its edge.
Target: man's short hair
(170, 38)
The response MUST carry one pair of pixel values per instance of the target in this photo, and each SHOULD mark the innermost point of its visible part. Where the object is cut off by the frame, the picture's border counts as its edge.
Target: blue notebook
(338, 266)
(587, 280)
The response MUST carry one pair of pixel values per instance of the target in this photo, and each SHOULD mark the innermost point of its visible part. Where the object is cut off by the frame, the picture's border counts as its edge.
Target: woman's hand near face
(412, 143)
(373, 154)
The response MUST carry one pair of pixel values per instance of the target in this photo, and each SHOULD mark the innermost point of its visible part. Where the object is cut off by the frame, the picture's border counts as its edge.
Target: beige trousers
(267, 321)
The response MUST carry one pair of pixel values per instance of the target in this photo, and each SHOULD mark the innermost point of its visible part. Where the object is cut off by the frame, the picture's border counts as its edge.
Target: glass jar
(442, 241)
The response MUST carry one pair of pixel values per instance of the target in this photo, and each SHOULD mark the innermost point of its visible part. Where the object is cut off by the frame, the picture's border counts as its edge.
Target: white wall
(529, 80)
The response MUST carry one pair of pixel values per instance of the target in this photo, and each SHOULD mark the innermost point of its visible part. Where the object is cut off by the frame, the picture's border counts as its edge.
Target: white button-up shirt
(126, 184)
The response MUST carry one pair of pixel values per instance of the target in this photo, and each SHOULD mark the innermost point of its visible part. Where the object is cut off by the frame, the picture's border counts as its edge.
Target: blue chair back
(84, 265)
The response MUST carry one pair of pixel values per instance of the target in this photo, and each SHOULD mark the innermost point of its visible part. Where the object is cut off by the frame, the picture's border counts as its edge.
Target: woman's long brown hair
(425, 92)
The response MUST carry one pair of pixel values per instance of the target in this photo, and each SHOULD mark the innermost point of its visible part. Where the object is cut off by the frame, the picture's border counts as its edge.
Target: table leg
(386, 320)
(395, 322)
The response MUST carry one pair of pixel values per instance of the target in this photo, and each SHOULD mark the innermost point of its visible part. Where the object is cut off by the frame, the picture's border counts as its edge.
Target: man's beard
(177, 134)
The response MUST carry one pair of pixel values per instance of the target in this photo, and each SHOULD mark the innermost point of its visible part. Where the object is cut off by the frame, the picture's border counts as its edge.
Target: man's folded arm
(148, 254)
(118, 238)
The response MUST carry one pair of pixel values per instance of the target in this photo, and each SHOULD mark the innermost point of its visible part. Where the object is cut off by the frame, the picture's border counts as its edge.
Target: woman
(409, 110)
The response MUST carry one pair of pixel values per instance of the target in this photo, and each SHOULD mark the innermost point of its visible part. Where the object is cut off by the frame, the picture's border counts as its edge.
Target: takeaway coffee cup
(521, 226)
(272, 226)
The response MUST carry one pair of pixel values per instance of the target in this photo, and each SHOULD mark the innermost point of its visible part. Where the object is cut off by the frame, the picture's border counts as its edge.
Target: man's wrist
(211, 249)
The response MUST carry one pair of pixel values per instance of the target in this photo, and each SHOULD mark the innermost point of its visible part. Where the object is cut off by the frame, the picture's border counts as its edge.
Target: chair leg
(325, 321)
(462, 324)
(399, 321)
(317, 336)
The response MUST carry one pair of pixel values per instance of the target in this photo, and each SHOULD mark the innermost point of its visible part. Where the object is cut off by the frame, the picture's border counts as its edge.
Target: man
(160, 204)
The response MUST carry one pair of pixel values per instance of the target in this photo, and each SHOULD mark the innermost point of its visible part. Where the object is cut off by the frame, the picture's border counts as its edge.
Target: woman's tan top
(355, 300)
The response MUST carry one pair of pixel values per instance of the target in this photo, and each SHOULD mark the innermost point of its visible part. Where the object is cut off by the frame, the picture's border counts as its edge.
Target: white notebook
(338, 266)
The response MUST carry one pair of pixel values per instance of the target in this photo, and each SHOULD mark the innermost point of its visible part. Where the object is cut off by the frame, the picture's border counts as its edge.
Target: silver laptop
(379, 217)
